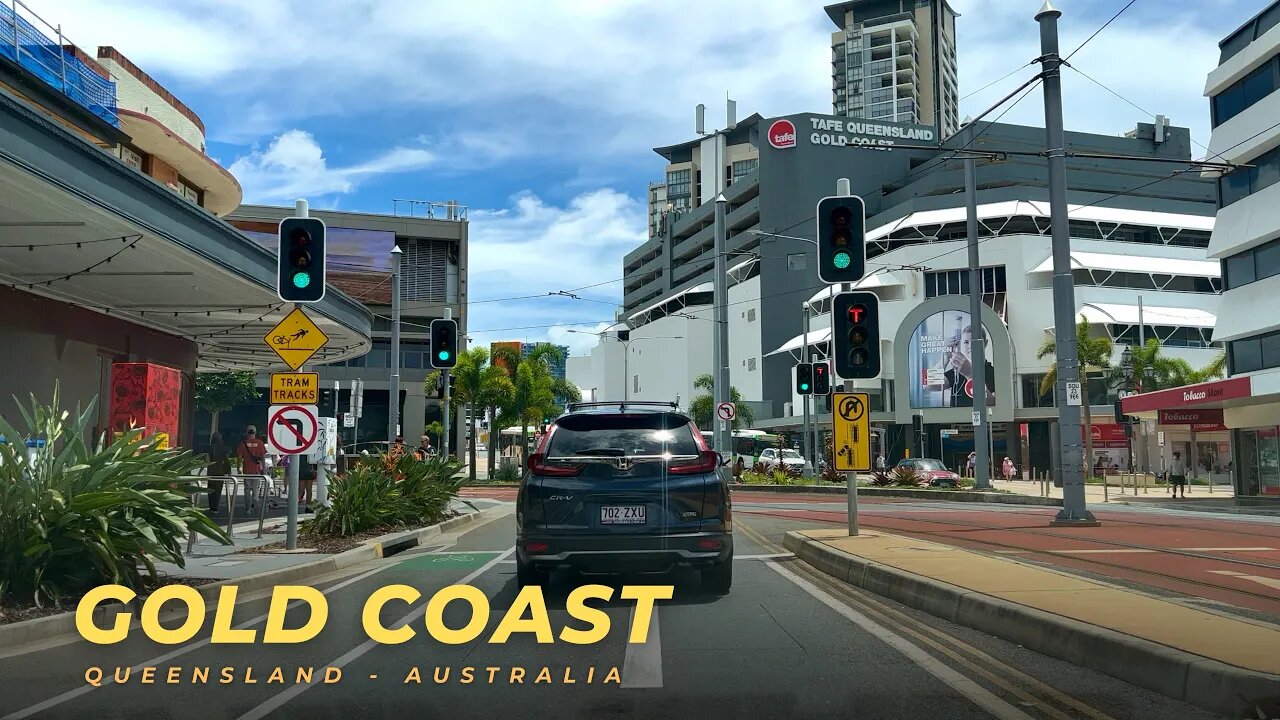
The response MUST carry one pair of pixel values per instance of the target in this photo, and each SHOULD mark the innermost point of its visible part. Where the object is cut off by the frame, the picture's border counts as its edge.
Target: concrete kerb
(1201, 681)
(56, 626)
(922, 494)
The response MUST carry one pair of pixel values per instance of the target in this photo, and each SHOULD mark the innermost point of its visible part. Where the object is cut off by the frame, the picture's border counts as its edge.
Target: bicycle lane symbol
(447, 561)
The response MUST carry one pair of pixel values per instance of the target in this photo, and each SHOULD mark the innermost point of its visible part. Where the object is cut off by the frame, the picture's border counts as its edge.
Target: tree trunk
(213, 424)
(1088, 437)
(524, 440)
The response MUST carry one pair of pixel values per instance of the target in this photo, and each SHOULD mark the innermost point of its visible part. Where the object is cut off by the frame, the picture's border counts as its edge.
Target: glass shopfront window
(1258, 467)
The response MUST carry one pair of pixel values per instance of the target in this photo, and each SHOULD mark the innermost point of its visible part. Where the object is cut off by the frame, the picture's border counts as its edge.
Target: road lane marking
(355, 653)
(109, 680)
(977, 694)
(765, 556)
(642, 664)
(1269, 582)
(1249, 549)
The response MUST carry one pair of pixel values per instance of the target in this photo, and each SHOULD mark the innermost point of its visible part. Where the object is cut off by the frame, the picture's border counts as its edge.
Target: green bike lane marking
(447, 560)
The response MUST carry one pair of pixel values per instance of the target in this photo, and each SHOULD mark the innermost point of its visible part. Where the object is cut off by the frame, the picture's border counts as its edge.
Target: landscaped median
(974, 496)
(1221, 663)
(62, 624)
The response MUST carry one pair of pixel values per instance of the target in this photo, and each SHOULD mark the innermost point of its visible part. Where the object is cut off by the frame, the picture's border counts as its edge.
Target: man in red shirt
(251, 452)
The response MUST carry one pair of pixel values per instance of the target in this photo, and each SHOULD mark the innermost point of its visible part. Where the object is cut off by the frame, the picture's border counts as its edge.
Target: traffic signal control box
(300, 268)
(855, 335)
(821, 379)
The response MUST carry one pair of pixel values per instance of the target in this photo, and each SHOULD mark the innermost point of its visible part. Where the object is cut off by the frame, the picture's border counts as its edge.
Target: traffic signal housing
(300, 266)
(444, 344)
(821, 379)
(842, 225)
(804, 378)
(855, 335)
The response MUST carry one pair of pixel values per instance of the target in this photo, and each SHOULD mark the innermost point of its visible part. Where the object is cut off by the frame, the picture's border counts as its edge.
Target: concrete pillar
(415, 413)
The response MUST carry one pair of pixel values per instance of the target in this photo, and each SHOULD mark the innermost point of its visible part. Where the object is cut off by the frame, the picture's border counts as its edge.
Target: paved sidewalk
(1236, 641)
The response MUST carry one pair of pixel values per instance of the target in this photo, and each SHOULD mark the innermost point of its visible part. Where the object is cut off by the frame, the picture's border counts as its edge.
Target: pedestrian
(1178, 475)
(424, 450)
(219, 467)
(1007, 467)
(880, 464)
(971, 465)
(253, 454)
(306, 476)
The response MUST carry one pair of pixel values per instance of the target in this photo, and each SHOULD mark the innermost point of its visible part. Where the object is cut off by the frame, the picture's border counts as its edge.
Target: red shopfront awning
(1191, 400)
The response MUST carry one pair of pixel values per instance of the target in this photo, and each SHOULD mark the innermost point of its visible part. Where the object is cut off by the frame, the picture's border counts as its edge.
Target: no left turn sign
(726, 411)
(292, 429)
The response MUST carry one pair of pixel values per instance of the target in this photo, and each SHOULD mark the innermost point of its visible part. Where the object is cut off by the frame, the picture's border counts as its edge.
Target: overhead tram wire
(1095, 32)
(1131, 103)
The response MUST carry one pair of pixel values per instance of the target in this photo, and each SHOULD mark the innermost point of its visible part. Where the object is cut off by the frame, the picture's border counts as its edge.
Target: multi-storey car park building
(895, 61)
(1245, 112)
(1139, 237)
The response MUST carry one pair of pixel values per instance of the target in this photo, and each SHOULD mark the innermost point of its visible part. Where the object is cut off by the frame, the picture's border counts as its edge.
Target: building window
(1256, 28)
(956, 282)
(1245, 92)
(751, 315)
(797, 261)
(635, 383)
(751, 363)
(1244, 182)
(1031, 397)
(742, 168)
(1259, 352)
(679, 184)
(1252, 265)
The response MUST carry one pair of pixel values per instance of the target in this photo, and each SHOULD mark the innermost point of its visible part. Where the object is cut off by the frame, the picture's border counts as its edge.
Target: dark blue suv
(620, 488)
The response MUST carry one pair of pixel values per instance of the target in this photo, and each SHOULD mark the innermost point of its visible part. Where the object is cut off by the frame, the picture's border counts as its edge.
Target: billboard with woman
(941, 368)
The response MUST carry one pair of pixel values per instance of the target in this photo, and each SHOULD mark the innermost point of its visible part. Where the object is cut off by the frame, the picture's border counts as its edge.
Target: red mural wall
(146, 395)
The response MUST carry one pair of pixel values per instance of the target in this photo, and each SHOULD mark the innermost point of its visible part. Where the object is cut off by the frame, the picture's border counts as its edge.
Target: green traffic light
(443, 354)
(301, 279)
(841, 260)
(804, 386)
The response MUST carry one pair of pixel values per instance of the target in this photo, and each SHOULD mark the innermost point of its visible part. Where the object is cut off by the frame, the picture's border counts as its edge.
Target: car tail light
(707, 461)
(708, 544)
(538, 465)
(535, 547)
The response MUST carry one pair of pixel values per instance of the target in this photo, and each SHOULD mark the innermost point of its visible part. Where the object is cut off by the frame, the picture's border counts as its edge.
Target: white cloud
(535, 249)
(293, 165)
(578, 342)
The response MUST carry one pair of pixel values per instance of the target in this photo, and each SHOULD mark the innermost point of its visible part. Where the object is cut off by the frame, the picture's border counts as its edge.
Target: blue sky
(540, 116)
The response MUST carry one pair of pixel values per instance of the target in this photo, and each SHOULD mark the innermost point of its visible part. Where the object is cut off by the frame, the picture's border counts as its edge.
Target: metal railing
(258, 490)
(432, 210)
(53, 62)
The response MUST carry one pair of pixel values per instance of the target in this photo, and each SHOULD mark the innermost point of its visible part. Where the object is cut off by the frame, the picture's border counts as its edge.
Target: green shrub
(510, 473)
(385, 493)
(881, 478)
(751, 477)
(906, 476)
(831, 475)
(78, 517)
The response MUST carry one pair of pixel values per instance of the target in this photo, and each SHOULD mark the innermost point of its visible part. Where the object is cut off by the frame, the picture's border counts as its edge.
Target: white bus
(747, 444)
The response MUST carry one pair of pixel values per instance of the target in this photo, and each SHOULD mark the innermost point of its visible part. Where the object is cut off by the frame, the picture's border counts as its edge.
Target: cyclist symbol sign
(851, 436)
(292, 429)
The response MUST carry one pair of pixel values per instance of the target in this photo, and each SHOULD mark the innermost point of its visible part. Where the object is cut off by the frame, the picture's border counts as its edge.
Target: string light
(129, 243)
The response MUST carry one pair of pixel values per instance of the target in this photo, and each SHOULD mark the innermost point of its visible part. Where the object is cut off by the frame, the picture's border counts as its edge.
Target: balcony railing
(431, 210)
(54, 61)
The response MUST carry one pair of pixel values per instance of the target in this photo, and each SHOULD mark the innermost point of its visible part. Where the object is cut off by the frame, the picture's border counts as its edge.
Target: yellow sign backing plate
(851, 438)
(296, 338)
(295, 388)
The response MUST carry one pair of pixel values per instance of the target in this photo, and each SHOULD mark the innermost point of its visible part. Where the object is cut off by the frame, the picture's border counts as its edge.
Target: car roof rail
(620, 404)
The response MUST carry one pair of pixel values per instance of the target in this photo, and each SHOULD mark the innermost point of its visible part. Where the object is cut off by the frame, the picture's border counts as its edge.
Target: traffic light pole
(301, 209)
(804, 399)
(978, 354)
(720, 297)
(1073, 510)
(393, 387)
(444, 408)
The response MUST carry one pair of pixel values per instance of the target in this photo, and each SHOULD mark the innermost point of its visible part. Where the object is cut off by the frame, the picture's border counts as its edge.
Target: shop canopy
(815, 337)
(1111, 262)
(1123, 314)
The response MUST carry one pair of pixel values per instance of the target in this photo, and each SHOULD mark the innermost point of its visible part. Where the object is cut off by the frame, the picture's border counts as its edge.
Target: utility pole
(393, 389)
(1073, 510)
(978, 355)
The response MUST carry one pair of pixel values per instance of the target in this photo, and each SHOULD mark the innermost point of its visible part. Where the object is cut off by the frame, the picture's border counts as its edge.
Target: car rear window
(622, 435)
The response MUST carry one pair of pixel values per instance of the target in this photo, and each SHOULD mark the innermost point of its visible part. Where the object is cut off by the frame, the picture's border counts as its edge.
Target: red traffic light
(857, 312)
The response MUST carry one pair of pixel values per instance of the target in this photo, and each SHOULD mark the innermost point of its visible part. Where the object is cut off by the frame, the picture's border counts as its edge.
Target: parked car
(624, 487)
(786, 457)
(935, 473)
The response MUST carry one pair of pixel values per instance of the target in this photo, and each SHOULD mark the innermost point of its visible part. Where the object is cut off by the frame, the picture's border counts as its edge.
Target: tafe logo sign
(782, 134)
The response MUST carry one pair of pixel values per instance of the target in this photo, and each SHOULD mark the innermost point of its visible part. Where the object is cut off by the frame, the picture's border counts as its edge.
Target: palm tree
(702, 410)
(534, 393)
(1093, 353)
(478, 384)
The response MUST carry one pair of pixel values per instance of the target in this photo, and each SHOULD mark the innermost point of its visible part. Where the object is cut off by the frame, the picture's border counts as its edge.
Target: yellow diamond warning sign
(295, 388)
(296, 338)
